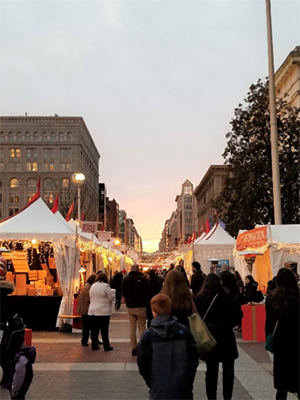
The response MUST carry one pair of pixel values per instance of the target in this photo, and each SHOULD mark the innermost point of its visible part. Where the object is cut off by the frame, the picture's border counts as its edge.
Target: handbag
(205, 341)
(270, 340)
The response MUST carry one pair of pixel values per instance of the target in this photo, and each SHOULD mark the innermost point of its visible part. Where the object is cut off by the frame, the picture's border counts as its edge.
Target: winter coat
(84, 300)
(116, 284)
(101, 297)
(22, 372)
(167, 359)
(250, 292)
(135, 289)
(197, 280)
(286, 343)
(220, 320)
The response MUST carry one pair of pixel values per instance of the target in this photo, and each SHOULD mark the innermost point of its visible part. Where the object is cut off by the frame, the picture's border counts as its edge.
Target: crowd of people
(159, 306)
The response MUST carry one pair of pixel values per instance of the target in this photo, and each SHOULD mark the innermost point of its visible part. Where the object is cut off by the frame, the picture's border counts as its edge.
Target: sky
(156, 82)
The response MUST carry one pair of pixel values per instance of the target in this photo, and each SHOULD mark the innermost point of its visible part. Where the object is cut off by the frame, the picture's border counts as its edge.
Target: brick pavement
(65, 370)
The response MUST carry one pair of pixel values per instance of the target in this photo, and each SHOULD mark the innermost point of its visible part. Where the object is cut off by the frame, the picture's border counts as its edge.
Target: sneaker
(133, 352)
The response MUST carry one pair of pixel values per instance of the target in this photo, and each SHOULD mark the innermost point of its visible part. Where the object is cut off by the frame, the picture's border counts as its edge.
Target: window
(14, 183)
(15, 153)
(65, 153)
(45, 137)
(2, 137)
(27, 137)
(1, 166)
(70, 136)
(10, 136)
(29, 196)
(48, 184)
(31, 153)
(48, 166)
(36, 137)
(48, 154)
(31, 166)
(188, 189)
(1, 153)
(31, 183)
(52, 137)
(49, 198)
(14, 199)
(61, 137)
(0, 197)
(14, 167)
(12, 211)
(65, 166)
(65, 183)
(19, 137)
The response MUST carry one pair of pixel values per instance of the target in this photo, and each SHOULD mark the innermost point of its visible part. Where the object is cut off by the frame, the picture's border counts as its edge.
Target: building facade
(102, 205)
(122, 225)
(185, 205)
(112, 217)
(208, 189)
(50, 149)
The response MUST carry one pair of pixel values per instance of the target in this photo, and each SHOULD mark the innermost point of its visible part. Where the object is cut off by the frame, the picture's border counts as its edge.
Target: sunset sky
(155, 81)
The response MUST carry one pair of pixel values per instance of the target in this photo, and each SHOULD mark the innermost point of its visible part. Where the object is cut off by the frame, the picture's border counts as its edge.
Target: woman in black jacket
(250, 289)
(220, 320)
(282, 307)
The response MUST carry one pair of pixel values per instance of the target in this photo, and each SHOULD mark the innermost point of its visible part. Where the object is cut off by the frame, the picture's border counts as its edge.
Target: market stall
(216, 244)
(42, 263)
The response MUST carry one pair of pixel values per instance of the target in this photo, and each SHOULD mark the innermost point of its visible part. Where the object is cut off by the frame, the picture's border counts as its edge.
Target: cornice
(207, 177)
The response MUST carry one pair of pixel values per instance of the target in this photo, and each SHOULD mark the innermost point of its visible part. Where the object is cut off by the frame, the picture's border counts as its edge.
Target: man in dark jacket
(197, 278)
(167, 355)
(135, 290)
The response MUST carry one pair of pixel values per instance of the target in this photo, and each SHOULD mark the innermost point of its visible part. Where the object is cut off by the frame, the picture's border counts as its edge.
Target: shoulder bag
(205, 341)
(270, 340)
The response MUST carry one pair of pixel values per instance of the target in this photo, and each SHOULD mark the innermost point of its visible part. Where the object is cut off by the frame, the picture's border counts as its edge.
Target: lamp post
(78, 178)
(273, 120)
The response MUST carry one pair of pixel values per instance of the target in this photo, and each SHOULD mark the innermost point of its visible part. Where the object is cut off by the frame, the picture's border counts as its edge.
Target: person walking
(197, 278)
(83, 307)
(155, 285)
(167, 355)
(116, 284)
(101, 297)
(135, 290)
(220, 320)
(176, 288)
(282, 315)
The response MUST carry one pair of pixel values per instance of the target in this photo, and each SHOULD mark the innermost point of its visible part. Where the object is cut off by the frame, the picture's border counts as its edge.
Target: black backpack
(12, 333)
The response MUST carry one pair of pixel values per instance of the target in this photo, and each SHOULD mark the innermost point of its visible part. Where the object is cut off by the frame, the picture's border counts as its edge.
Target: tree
(247, 197)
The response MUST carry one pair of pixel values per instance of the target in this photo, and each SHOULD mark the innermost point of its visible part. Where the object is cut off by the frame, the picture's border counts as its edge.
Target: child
(22, 373)
(166, 354)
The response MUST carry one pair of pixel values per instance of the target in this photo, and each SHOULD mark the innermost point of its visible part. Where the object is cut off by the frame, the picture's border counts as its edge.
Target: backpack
(12, 333)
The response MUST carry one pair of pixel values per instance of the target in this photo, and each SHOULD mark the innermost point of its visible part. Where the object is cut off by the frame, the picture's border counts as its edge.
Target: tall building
(52, 148)
(208, 189)
(102, 205)
(185, 206)
(122, 225)
(112, 217)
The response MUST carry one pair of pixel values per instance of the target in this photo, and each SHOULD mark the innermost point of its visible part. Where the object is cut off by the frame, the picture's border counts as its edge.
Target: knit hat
(3, 268)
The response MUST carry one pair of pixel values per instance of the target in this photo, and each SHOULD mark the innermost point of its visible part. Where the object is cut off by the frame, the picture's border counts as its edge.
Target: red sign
(254, 238)
(89, 227)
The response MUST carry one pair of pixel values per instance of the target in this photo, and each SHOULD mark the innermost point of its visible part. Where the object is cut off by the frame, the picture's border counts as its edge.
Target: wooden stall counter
(253, 322)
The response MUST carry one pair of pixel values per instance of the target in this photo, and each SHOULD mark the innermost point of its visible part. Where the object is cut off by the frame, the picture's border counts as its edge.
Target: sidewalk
(65, 370)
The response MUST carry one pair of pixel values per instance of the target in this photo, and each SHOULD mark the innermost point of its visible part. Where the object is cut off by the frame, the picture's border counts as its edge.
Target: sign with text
(254, 238)
(89, 227)
(104, 236)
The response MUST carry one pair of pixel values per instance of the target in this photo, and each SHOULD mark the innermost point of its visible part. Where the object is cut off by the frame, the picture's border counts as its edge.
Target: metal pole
(273, 120)
(79, 205)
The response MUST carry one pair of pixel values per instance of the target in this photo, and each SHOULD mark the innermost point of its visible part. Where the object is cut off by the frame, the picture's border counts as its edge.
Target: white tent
(280, 245)
(38, 222)
(215, 244)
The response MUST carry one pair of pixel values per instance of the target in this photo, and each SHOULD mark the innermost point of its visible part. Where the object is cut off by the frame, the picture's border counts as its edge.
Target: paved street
(66, 370)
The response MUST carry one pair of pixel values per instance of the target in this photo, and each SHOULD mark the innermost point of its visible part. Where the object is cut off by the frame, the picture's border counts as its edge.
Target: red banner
(254, 238)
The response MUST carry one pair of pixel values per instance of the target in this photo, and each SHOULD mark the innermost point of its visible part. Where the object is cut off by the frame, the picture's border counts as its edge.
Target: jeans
(100, 323)
(211, 380)
(137, 317)
(86, 327)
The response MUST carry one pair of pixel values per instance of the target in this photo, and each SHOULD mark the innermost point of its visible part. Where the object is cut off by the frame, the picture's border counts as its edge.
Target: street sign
(89, 227)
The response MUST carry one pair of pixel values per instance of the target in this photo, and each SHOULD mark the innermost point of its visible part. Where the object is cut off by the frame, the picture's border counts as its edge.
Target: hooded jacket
(22, 372)
(167, 359)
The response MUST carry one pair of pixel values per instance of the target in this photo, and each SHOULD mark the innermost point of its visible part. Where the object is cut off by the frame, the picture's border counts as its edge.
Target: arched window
(36, 137)
(11, 136)
(27, 137)
(14, 183)
(61, 137)
(31, 183)
(48, 184)
(2, 136)
(45, 137)
(70, 136)
(65, 183)
(52, 137)
(19, 137)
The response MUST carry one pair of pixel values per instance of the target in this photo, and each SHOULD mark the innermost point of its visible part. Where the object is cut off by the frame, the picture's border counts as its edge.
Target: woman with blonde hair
(176, 288)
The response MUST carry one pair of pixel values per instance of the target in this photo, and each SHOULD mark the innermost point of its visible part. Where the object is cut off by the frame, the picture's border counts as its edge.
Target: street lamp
(78, 178)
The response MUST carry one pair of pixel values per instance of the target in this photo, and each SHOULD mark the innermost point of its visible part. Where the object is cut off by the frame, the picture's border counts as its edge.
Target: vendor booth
(216, 244)
(43, 264)
(278, 244)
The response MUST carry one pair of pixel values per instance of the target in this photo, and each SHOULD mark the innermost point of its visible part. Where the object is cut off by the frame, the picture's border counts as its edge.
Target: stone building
(208, 189)
(184, 212)
(112, 217)
(287, 78)
(52, 148)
